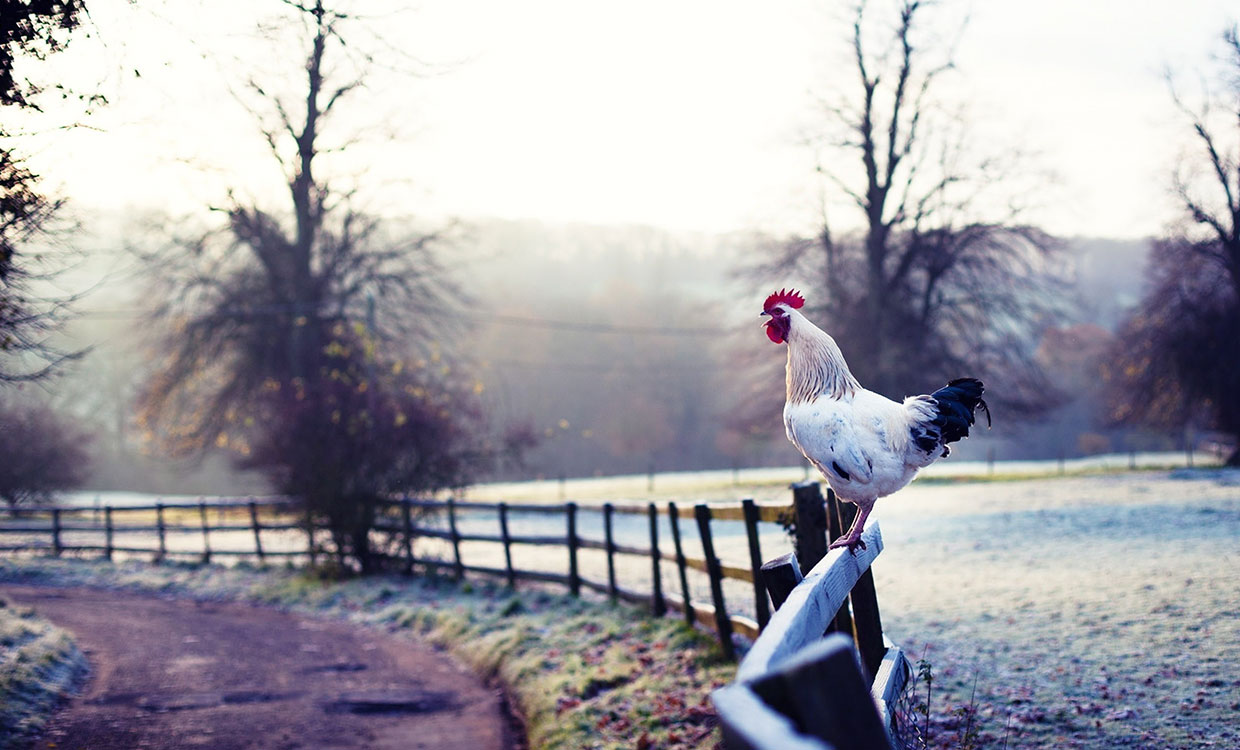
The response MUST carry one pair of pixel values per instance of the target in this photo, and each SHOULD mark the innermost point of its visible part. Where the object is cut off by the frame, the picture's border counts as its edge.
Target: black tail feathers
(957, 401)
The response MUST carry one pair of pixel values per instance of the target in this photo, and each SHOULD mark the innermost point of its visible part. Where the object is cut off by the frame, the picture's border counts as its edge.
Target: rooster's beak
(764, 312)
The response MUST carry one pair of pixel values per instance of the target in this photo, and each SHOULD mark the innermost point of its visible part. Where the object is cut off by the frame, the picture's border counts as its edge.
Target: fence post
(722, 624)
(107, 532)
(206, 537)
(839, 518)
(864, 624)
(503, 531)
(811, 541)
(658, 606)
(781, 576)
(574, 577)
(310, 549)
(258, 541)
(456, 539)
(56, 547)
(406, 519)
(673, 518)
(159, 525)
(610, 544)
(761, 608)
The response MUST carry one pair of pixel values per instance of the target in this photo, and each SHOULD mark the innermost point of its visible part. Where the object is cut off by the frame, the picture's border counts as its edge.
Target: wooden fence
(795, 689)
(109, 530)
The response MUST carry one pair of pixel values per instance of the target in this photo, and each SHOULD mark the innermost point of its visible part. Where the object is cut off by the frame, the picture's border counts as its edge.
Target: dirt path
(183, 674)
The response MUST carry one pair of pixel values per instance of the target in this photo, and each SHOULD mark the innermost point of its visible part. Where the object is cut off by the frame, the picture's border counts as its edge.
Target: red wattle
(773, 334)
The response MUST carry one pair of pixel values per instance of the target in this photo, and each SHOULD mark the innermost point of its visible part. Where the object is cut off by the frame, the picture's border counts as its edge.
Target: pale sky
(681, 114)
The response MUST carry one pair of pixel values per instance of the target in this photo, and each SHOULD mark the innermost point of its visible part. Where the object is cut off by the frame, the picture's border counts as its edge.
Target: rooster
(866, 445)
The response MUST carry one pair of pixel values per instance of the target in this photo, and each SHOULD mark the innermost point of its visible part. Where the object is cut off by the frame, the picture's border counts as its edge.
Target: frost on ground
(39, 666)
(1092, 613)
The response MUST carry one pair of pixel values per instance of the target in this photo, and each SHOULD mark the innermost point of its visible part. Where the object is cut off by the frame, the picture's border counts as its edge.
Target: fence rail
(279, 527)
(796, 689)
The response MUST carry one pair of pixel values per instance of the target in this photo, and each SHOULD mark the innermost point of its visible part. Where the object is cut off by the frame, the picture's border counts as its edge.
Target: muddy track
(170, 673)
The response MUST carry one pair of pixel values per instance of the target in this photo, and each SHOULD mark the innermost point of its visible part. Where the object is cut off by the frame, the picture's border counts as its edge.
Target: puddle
(388, 702)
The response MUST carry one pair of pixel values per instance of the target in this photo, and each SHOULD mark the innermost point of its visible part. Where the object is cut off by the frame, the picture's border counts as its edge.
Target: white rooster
(866, 445)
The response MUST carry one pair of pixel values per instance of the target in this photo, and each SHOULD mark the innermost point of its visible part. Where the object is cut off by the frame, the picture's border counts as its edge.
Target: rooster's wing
(825, 431)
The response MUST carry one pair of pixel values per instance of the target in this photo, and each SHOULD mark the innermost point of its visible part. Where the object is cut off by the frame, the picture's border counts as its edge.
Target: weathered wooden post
(503, 532)
(658, 607)
(839, 517)
(811, 515)
(159, 527)
(823, 689)
(258, 540)
(206, 535)
(406, 520)
(781, 576)
(56, 546)
(459, 567)
(673, 518)
(723, 625)
(761, 608)
(864, 622)
(574, 577)
(609, 541)
(107, 532)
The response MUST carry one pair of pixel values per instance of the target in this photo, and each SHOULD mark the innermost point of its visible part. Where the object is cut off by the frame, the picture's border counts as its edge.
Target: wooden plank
(704, 615)
(889, 683)
(761, 608)
(496, 538)
(804, 616)
(748, 723)
(780, 514)
(679, 559)
(723, 626)
(822, 689)
(735, 572)
(431, 533)
(658, 607)
(557, 541)
(781, 575)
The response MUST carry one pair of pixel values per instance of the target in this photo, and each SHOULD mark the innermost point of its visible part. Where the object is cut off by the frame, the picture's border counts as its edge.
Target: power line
(480, 316)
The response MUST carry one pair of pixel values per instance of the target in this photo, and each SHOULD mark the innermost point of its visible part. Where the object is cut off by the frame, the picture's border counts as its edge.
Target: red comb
(790, 297)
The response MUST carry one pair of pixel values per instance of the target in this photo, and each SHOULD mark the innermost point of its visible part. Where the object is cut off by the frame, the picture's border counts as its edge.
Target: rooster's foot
(851, 541)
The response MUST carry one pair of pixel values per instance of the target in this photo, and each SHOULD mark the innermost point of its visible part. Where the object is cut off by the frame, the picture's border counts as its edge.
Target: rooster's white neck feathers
(816, 365)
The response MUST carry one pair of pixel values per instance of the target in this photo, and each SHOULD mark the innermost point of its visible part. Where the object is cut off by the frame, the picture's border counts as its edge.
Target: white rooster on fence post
(866, 445)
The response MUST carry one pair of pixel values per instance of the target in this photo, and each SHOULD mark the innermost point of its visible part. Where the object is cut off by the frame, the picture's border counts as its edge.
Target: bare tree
(42, 452)
(1177, 359)
(295, 335)
(30, 30)
(942, 278)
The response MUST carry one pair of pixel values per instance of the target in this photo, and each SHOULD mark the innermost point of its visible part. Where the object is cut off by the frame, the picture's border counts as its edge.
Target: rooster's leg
(852, 539)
